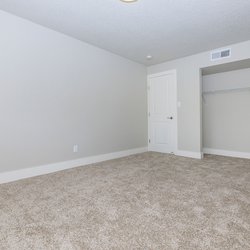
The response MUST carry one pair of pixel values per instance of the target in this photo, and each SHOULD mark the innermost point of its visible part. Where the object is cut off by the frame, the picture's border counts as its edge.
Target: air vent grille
(220, 54)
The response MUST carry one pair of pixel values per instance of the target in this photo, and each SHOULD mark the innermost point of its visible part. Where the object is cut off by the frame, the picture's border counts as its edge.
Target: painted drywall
(189, 92)
(57, 91)
(226, 116)
(234, 79)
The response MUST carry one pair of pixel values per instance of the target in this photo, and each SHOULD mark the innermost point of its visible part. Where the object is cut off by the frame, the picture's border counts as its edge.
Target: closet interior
(226, 109)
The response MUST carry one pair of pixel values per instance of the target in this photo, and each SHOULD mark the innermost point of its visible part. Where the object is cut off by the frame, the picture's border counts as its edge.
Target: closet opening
(226, 109)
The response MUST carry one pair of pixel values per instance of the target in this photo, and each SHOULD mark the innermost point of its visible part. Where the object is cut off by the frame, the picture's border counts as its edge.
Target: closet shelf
(226, 90)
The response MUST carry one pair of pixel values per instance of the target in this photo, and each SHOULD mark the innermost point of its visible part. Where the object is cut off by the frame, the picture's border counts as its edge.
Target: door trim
(173, 71)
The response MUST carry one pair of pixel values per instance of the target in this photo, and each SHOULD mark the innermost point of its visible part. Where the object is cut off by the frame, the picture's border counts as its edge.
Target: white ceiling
(165, 29)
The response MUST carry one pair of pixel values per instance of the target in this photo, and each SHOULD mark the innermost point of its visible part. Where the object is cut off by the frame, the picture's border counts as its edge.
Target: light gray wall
(189, 92)
(57, 91)
(226, 116)
(226, 80)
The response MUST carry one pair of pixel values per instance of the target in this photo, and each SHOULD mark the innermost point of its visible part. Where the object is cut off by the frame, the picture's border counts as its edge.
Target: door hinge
(149, 141)
(148, 113)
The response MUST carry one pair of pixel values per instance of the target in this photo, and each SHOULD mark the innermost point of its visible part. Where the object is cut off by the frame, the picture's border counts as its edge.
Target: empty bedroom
(125, 124)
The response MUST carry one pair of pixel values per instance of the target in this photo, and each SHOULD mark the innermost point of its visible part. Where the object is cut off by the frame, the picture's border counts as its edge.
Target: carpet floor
(146, 201)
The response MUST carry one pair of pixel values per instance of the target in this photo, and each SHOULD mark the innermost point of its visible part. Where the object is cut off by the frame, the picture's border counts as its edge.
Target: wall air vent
(220, 54)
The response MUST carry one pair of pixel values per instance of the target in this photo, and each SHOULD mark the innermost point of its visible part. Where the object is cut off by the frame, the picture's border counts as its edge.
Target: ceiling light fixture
(149, 57)
(128, 1)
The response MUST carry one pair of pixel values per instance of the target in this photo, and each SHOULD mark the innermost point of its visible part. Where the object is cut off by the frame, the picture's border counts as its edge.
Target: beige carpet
(147, 201)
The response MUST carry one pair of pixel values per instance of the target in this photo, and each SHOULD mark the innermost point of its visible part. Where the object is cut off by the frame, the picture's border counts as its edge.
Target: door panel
(162, 113)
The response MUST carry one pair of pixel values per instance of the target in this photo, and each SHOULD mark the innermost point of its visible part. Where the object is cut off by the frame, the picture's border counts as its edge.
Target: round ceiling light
(128, 1)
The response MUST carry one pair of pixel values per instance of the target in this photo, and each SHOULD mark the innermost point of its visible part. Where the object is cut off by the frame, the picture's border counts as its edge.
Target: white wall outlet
(178, 104)
(75, 148)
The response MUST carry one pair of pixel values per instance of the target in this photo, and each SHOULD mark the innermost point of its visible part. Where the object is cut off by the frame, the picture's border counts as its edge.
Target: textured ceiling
(165, 29)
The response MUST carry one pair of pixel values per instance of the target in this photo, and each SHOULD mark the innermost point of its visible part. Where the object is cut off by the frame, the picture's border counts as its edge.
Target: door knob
(170, 118)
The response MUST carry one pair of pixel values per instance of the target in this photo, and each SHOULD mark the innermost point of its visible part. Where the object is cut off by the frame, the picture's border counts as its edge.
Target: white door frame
(176, 110)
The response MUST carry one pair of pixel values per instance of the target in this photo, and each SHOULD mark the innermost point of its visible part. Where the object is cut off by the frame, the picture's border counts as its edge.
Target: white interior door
(162, 99)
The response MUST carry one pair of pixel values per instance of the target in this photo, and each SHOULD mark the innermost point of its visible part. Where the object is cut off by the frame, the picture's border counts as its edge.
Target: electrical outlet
(75, 148)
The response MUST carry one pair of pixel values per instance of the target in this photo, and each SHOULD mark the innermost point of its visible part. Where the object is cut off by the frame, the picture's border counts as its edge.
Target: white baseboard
(50, 168)
(190, 154)
(226, 153)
